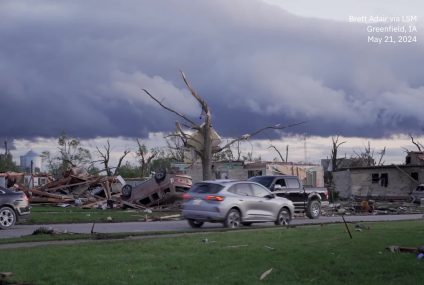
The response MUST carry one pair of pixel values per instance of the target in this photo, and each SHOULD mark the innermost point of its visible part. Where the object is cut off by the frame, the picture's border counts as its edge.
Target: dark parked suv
(13, 205)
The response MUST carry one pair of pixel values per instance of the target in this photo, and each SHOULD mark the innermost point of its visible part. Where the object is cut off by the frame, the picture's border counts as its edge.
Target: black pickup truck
(305, 199)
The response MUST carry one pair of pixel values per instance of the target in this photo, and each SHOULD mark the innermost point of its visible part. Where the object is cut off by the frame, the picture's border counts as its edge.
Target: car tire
(126, 190)
(194, 223)
(246, 224)
(233, 219)
(283, 218)
(160, 176)
(313, 209)
(7, 217)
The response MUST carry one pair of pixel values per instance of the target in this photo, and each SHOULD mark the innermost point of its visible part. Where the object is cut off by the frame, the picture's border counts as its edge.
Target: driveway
(146, 227)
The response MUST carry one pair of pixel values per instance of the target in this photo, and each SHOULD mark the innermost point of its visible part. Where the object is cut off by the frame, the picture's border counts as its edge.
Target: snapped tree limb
(279, 153)
(248, 136)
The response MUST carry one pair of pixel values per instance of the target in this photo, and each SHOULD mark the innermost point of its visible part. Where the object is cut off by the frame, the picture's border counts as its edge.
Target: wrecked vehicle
(417, 194)
(13, 205)
(162, 188)
(305, 199)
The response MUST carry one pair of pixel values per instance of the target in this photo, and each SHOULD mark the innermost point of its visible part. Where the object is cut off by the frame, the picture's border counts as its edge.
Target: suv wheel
(160, 175)
(7, 217)
(233, 219)
(194, 223)
(126, 190)
(314, 209)
(283, 218)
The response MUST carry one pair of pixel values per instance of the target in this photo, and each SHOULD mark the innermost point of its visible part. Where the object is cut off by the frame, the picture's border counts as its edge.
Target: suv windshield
(209, 188)
(265, 181)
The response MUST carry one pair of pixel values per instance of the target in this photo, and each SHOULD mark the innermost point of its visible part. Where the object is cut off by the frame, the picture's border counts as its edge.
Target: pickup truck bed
(305, 199)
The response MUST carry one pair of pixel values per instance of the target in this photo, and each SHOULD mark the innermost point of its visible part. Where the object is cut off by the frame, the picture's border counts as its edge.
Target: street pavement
(163, 226)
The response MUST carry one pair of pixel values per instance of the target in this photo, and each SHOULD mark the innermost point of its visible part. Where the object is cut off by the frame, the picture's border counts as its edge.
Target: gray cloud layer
(78, 67)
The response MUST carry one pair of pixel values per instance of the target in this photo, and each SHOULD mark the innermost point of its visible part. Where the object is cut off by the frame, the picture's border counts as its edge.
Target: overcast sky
(79, 67)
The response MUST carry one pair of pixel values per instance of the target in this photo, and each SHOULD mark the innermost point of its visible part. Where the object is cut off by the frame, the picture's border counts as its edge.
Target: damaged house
(382, 182)
(309, 174)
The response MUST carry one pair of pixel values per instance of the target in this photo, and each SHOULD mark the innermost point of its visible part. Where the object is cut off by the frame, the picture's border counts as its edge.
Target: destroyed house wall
(221, 170)
(343, 183)
(383, 182)
(310, 175)
(415, 158)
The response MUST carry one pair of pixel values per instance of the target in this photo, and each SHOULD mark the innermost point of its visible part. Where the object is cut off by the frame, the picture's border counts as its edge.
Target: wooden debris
(131, 205)
(401, 249)
(236, 246)
(265, 274)
(83, 191)
(171, 217)
(5, 274)
(105, 192)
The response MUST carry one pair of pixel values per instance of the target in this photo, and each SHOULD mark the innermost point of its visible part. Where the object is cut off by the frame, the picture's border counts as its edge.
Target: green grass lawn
(57, 215)
(300, 255)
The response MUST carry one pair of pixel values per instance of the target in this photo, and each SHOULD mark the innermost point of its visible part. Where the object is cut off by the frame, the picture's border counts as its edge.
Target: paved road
(138, 227)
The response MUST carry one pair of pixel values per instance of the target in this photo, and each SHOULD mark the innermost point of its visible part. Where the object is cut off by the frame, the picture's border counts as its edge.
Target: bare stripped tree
(176, 149)
(381, 153)
(419, 145)
(205, 130)
(146, 157)
(334, 150)
(105, 159)
(367, 156)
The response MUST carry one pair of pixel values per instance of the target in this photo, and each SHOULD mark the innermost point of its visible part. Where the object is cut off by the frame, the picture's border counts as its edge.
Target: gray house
(387, 181)
(310, 174)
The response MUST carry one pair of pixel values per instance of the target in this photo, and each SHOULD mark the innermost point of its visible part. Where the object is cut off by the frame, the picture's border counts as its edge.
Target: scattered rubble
(363, 206)
(48, 231)
(102, 192)
(401, 249)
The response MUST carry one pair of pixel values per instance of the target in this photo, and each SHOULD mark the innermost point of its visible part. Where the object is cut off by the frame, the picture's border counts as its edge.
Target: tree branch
(279, 153)
(120, 161)
(417, 144)
(247, 136)
(172, 110)
(202, 102)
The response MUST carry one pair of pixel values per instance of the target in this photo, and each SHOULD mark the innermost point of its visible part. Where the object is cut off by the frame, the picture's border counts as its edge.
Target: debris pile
(418, 251)
(77, 188)
(371, 207)
(88, 191)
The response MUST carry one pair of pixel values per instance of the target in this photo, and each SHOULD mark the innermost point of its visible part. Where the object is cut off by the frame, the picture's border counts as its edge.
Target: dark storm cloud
(78, 67)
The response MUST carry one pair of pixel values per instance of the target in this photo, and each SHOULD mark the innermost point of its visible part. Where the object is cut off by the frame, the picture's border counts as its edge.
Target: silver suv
(234, 203)
(13, 204)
